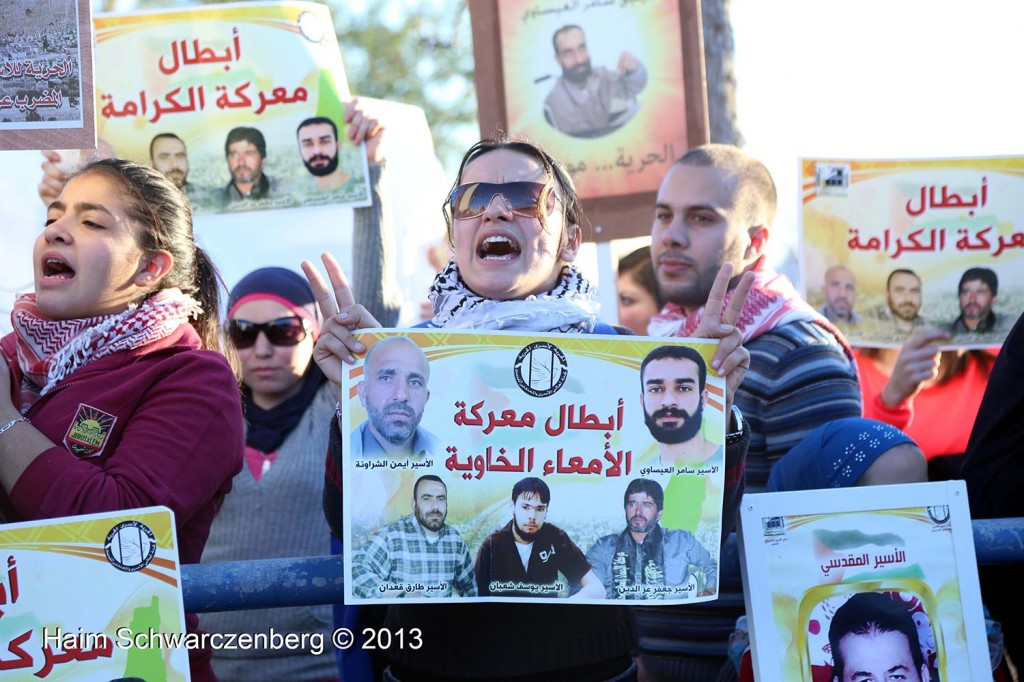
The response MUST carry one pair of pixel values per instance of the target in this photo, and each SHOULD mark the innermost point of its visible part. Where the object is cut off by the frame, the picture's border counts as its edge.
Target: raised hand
(917, 363)
(53, 177)
(341, 314)
(628, 63)
(362, 126)
(731, 359)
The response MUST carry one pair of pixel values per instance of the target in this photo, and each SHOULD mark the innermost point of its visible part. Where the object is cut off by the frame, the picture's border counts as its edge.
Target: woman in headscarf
(273, 324)
(850, 452)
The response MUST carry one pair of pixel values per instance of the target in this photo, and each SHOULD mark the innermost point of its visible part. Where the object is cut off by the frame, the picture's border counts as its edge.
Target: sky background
(871, 79)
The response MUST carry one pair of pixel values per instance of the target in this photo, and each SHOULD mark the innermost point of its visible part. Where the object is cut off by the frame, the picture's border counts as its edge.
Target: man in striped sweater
(716, 205)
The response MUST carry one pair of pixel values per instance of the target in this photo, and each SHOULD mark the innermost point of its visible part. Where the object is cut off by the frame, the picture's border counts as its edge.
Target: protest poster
(558, 420)
(892, 246)
(92, 598)
(46, 98)
(242, 105)
(618, 102)
(818, 563)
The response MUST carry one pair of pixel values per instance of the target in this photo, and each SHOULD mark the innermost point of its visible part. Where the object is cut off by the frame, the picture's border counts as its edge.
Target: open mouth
(54, 268)
(498, 247)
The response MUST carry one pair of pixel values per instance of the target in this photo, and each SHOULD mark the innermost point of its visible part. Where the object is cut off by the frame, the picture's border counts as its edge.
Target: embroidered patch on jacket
(89, 431)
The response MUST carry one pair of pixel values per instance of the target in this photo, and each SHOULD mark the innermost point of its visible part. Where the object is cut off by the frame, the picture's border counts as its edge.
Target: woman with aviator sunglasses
(272, 323)
(514, 224)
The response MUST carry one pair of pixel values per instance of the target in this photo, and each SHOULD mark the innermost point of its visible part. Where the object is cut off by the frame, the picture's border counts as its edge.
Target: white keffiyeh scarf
(571, 306)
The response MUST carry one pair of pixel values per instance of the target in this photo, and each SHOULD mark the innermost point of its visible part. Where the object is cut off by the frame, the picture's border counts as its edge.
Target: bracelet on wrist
(734, 436)
(6, 427)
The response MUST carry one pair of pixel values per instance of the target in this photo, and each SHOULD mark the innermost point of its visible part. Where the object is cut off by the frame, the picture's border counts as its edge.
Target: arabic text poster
(249, 96)
(890, 247)
(92, 598)
(46, 75)
(498, 466)
(820, 565)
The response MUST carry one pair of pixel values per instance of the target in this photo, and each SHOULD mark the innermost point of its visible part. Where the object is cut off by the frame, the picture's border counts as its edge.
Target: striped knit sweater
(799, 379)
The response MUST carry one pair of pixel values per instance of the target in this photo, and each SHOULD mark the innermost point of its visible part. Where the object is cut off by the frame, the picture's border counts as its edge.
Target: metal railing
(242, 585)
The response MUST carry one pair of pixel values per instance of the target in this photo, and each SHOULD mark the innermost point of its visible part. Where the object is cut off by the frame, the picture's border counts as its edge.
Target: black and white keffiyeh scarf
(570, 307)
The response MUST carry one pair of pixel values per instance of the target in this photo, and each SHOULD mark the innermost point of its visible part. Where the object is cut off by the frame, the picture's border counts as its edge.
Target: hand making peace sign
(341, 315)
(731, 359)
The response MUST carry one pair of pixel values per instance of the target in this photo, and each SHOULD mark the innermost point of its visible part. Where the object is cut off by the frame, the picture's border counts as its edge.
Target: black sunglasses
(531, 199)
(284, 331)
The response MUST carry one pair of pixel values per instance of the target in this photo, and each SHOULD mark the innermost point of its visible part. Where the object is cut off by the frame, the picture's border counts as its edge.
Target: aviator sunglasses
(284, 331)
(530, 199)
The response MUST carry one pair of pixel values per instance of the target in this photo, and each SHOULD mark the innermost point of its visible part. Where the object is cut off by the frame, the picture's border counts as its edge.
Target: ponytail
(208, 285)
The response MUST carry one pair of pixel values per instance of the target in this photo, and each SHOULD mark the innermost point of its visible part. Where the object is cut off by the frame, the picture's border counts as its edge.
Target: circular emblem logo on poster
(311, 28)
(939, 514)
(541, 369)
(130, 546)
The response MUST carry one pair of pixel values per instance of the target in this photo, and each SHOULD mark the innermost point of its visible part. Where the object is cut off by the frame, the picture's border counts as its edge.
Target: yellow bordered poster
(505, 467)
(820, 565)
(92, 598)
(263, 77)
(892, 246)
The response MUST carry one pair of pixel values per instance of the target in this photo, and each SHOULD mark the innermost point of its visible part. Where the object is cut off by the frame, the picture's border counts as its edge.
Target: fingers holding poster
(518, 468)
(891, 247)
(235, 125)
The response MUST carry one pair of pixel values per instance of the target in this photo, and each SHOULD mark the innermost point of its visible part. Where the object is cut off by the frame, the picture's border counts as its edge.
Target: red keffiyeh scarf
(49, 350)
(772, 302)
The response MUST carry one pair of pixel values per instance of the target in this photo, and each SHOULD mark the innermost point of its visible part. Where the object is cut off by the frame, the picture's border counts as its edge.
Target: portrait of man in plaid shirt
(418, 555)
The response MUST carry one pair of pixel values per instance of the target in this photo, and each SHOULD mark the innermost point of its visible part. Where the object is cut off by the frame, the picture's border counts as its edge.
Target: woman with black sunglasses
(514, 226)
(272, 324)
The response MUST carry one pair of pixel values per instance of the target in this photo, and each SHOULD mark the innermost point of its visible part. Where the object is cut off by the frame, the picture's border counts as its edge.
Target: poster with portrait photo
(46, 97)
(890, 247)
(241, 105)
(822, 565)
(502, 467)
(613, 90)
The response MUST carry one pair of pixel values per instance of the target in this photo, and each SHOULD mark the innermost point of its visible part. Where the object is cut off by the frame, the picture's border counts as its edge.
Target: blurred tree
(721, 77)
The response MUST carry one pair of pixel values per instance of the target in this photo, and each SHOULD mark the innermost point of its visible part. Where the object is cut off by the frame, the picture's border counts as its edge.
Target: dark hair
(751, 188)
(567, 27)
(677, 353)
(645, 485)
(161, 136)
(531, 485)
(318, 119)
(246, 134)
(552, 168)
(900, 271)
(427, 477)
(985, 275)
(639, 266)
(163, 216)
(868, 612)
